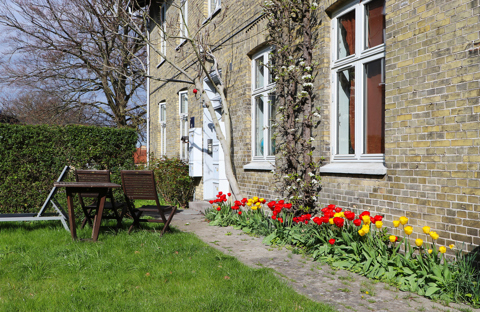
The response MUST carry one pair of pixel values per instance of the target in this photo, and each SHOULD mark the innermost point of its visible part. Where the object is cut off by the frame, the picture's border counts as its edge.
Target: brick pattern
(432, 123)
(432, 112)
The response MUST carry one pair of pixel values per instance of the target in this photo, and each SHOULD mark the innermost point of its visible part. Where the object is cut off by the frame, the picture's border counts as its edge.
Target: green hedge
(32, 158)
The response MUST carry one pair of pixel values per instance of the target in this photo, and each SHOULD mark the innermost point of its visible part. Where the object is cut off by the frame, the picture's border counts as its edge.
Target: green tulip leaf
(431, 290)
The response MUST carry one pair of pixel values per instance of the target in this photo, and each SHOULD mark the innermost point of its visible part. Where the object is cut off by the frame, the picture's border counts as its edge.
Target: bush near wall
(32, 158)
(174, 183)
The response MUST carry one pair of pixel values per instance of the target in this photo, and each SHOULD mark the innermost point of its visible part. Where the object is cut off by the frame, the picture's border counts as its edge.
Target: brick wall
(432, 122)
(432, 112)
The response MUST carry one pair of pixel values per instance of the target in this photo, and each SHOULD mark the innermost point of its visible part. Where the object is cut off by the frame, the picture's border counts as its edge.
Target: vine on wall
(291, 25)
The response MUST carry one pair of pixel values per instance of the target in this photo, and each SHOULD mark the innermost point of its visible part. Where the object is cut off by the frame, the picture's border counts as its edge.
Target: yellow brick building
(398, 87)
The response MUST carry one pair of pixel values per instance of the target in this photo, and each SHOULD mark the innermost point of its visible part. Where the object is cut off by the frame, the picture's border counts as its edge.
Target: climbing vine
(291, 25)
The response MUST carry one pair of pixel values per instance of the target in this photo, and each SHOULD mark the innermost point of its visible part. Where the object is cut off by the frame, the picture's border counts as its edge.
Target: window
(183, 113)
(358, 82)
(183, 18)
(263, 108)
(213, 6)
(162, 118)
(161, 32)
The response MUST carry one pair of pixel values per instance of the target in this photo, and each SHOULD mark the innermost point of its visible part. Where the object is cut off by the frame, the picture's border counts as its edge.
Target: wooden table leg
(71, 214)
(98, 217)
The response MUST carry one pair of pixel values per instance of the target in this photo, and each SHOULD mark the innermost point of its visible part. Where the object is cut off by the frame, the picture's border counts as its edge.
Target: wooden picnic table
(73, 188)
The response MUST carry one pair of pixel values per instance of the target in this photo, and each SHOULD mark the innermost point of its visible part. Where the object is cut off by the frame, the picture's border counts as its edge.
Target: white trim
(213, 11)
(183, 118)
(357, 61)
(163, 126)
(355, 168)
(183, 19)
(265, 91)
(260, 165)
(162, 32)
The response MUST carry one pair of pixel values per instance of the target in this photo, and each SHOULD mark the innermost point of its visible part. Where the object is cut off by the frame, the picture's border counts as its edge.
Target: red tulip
(240, 212)
(338, 209)
(211, 202)
(229, 194)
(218, 208)
(331, 241)
(280, 219)
(357, 222)
(338, 222)
(331, 206)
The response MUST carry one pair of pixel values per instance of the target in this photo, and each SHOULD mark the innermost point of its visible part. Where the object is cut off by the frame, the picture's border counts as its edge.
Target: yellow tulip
(408, 230)
(396, 223)
(419, 242)
(434, 235)
(342, 215)
(451, 246)
(361, 232)
(426, 229)
(403, 220)
(261, 200)
(366, 219)
(442, 249)
(429, 251)
(337, 215)
(254, 207)
(249, 203)
(255, 199)
(392, 238)
(379, 224)
(258, 204)
(330, 220)
(366, 228)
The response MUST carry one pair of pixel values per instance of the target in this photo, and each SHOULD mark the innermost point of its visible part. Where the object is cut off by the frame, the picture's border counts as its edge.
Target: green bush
(32, 158)
(173, 181)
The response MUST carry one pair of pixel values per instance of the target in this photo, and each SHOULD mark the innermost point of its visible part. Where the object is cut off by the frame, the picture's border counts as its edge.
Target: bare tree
(83, 53)
(38, 107)
(198, 61)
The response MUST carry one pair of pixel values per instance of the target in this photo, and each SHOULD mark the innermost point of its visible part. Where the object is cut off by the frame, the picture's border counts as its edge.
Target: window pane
(271, 121)
(259, 68)
(259, 126)
(346, 35)
(346, 112)
(162, 112)
(375, 20)
(374, 108)
(183, 103)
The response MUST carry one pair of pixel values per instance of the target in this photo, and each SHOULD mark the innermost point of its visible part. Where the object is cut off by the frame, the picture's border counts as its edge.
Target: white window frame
(358, 60)
(183, 19)
(212, 10)
(163, 127)
(265, 91)
(162, 32)
(183, 116)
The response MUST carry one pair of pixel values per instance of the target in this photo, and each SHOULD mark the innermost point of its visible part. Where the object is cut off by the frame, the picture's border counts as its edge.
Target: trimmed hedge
(32, 158)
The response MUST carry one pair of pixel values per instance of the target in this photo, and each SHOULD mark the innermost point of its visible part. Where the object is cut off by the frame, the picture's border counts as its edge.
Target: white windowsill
(259, 165)
(181, 44)
(161, 63)
(355, 168)
(212, 15)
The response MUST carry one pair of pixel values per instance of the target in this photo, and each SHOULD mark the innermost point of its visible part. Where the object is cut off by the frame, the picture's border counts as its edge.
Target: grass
(42, 269)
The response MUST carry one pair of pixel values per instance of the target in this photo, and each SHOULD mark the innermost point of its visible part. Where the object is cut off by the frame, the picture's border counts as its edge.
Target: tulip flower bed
(358, 243)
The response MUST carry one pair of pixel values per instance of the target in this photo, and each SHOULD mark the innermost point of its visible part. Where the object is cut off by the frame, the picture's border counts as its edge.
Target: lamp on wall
(184, 139)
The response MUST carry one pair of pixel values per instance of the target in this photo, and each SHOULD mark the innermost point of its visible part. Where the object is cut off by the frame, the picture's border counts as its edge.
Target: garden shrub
(174, 183)
(33, 156)
(360, 243)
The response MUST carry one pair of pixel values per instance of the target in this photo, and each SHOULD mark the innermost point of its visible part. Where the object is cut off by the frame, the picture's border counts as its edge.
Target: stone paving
(345, 290)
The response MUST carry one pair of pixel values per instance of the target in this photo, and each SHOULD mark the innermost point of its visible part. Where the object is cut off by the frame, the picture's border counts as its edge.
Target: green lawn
(42, 269)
